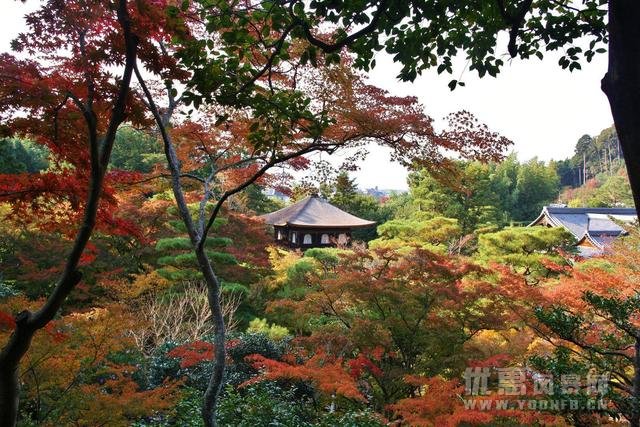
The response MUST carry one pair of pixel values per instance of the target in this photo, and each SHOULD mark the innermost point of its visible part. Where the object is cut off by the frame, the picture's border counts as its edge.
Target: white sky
(542, 108)
(536, 104)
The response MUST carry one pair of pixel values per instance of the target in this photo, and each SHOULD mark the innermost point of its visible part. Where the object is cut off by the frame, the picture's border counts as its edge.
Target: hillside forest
(140, 287)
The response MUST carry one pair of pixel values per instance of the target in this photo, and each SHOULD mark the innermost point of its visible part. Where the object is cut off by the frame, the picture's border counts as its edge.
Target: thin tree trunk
(210, 404)
(27, 322)
(197, 236)
(621, 84)
(634, 420)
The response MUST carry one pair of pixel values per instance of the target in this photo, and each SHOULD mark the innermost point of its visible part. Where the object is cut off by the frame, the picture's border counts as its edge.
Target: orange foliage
(68, 370)
(326, 373)
(440, 404)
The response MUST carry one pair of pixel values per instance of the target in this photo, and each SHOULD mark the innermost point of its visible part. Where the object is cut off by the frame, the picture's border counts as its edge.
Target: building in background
(313, 222)
(593, 228)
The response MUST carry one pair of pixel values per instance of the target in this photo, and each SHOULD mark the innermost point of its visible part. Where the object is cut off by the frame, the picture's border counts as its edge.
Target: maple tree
(68, 88)
(237, 96)
(75, 107)
(391, 313)
(421, 35)
(591, 318)
(274, 115)
(77, 357)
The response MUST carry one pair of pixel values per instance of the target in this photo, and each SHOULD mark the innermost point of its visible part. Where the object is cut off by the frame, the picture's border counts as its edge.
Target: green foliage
(560, 363)
(480, 195)
(537, 184)
(526, 248)
(270, 404)
(327, 257)
(420, 35)
(603, 191)
(593, 156)
(297, 273)
(259, 202)
(178, 261)
(187, 410)
(264, 404)
(22, 155)
(353, 418)
(134, 150)
(433, 234)
(6, 290)
(158, 367)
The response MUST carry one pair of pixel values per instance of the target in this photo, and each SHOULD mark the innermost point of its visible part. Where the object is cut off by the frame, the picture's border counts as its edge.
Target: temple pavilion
(314, 222)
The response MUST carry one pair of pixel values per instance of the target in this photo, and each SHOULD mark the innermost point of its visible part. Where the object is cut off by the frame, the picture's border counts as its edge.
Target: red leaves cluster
(361, 364)
(439, 403)
(193, 353)
(7, 321)
(54, 201)
(327, 373)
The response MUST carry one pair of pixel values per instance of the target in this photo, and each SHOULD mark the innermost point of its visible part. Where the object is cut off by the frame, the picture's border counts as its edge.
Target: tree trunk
(621, 84)
(210, 404)
(197, 235)
(27, 322)
(634, 418)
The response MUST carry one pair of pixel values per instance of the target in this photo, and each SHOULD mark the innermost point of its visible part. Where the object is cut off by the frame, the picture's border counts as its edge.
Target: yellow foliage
(70, 372)
(281, 260)
(139, 285)
(513, 342)
(273, 331)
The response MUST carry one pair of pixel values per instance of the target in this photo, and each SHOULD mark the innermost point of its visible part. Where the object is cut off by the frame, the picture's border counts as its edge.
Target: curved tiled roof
(596, 226)
(313, 211)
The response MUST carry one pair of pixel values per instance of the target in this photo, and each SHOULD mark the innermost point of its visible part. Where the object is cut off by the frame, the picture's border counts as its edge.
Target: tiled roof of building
(597, 225)
(314, 211)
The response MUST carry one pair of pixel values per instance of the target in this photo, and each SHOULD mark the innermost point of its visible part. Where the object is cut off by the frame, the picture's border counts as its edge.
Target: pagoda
(313, 222)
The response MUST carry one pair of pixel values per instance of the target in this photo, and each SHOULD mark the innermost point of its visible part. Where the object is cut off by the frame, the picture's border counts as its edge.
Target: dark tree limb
(27, 322)
(621, 84)
(204, 263)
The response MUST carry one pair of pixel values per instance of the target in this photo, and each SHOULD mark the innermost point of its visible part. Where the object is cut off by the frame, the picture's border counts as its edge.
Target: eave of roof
(587, 238)
(581, 220)
(314, 212)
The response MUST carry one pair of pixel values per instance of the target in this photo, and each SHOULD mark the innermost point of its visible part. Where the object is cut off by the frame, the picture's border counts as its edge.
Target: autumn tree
(591, 318)
(263, 113)
(422, 36)
(79, 370)
(393, 314)
(74, 106)
(68, 88)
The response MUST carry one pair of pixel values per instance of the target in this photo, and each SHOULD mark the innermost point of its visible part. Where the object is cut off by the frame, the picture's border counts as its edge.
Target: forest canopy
(140, 287)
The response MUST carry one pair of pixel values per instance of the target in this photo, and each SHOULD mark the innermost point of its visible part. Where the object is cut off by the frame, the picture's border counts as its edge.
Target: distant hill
(593, 155)
(596, 175)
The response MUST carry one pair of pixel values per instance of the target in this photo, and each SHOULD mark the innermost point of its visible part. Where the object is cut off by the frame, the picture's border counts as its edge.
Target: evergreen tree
(134, 150)
(21, 155)
(537, 185)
